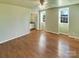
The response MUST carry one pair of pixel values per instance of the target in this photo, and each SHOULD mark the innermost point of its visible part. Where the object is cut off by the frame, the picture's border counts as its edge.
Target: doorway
(42, 20)
(63, 22)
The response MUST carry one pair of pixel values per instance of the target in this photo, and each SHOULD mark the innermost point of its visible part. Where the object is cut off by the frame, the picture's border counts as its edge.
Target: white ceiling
(23, 3)
(58, 3)
(35, 3)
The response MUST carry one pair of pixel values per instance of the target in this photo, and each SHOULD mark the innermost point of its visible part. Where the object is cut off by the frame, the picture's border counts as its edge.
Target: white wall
(52, 20)
(14, 22)
(74, 20)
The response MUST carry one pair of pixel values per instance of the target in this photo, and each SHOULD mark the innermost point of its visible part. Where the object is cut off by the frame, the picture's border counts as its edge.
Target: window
(64, 15)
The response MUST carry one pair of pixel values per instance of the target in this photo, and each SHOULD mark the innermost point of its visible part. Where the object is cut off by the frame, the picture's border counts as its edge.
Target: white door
(42, 20)
(63, 20)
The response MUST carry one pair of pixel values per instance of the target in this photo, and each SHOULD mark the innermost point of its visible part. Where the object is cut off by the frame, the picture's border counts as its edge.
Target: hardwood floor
(40, 44)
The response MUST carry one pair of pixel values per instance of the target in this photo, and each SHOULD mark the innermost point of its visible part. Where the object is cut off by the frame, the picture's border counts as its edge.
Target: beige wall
(52, 20)
(14, 21)
(74, 20)
(53, 24)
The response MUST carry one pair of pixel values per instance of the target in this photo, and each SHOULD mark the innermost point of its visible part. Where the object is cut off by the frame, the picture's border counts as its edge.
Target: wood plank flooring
(40, 44)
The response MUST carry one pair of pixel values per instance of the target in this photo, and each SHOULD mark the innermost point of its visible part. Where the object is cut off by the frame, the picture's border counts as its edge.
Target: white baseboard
(52, 32)
(13, 38)
(64, 34)
(73, 36)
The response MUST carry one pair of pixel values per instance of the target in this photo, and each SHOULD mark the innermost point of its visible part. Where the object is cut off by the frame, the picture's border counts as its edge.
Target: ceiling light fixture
(42, 2)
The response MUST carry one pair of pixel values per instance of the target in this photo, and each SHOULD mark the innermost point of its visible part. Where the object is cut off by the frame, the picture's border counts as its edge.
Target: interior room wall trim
(1, 42)
(75, 37)
(51, 32)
